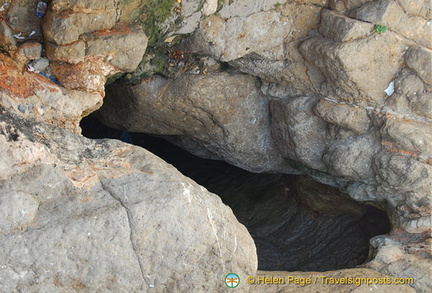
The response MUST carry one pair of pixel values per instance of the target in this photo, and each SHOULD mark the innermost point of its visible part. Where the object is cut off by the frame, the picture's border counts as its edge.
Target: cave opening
(297, 223)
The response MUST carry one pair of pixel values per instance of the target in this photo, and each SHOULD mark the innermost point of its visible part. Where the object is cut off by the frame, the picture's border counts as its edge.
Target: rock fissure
(337, 90)
(131, 227)
(273, 235)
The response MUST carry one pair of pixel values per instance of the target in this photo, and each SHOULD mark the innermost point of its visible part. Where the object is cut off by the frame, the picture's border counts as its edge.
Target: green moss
(156, 17)
(114, 77)
(380, 29)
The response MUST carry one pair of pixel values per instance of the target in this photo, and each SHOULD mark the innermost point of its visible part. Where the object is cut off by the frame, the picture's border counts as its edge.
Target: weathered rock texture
(328, 77)
(338, 90)
(347, 84)
(223, 113)
(103, 215)
(36, 97)
(77, 32)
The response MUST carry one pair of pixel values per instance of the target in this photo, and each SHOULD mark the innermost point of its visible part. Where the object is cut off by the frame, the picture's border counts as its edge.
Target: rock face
(347, 84)
(223, 113)
(338, 90)
(78, 32)
(107, 216)
(38, 98)
(346, 102)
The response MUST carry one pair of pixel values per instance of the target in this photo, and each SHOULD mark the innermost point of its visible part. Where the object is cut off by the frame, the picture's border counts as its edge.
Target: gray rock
(223, 113)
(64, 27)
(67, 53)
(244, 8)
(417, 8)
(31, 50)
(104, 215)
(355, 119)
(383, 12)
(339, 27)
(292, 74)
(209, 7)
(231, 39)
(389, 13)
(409, 135)
(411, 97)
(21, 17)
(298, 133)
(403, 262)
(419, 59)
(353, 71)
(405, 183)
(351, 158)
(124, 48)
(7, 41)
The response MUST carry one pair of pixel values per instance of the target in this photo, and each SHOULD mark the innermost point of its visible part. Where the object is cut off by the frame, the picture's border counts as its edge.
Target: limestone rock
(353, 70)
(122, 46)
(339, 27)
(392, 15)
(21, 18)
(108, 216)
(420, 8)
(88, 75)
(209, 7)
(244, 8)
(419, 59)
(410, 135)
(31, 50)
(351, 158)
(37, 98)
(71, 53)
(80, 31)
(7, 41)
(237, 36)
(405, 183)
(411, 97)
(294, 75)
(299, 135)
(63, 27)
(406, 259)
(355, 119)
(223, 113)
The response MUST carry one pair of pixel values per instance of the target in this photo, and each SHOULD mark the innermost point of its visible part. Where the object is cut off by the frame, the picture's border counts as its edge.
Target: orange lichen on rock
(393, 148)
(119, 29)
(88, 75)
(13, 81)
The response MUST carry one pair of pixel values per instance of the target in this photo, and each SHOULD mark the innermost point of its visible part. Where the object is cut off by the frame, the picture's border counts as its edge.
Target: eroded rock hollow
(336, 92)
(297, 223)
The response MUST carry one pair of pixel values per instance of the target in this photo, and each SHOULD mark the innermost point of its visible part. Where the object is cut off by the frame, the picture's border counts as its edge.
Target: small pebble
(22, 108)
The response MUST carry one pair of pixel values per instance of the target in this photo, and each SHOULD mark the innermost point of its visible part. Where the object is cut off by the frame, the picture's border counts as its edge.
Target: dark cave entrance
(297, 224)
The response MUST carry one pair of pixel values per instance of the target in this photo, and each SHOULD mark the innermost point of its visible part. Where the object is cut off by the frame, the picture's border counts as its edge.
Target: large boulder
(104, 215)
(222, 113)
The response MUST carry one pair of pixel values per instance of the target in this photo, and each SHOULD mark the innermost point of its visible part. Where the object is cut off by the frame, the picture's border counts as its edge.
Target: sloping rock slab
(103, 216)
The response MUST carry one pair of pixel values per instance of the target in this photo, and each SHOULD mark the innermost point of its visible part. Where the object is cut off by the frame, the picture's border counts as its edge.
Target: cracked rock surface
(102, 215)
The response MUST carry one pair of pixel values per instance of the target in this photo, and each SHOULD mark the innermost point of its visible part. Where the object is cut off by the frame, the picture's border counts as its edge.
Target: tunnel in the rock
(297, 223)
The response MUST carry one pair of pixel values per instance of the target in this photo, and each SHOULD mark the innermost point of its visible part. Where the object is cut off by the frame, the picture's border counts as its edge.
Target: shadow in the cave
(297, 224)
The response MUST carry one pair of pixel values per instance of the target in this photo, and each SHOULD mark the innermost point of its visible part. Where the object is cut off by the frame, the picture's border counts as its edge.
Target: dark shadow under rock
(297, 223)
